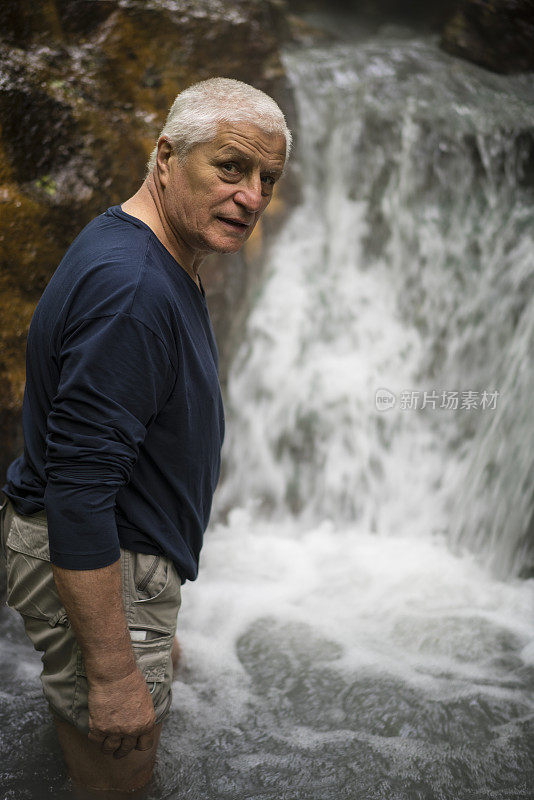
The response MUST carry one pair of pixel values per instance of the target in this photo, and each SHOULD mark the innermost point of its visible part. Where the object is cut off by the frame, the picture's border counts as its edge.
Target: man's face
(214, 199)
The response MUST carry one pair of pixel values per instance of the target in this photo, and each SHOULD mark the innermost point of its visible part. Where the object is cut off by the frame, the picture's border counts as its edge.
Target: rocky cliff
(497, 34)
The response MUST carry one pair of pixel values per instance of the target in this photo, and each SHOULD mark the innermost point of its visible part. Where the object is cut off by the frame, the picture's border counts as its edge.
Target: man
(123, 426)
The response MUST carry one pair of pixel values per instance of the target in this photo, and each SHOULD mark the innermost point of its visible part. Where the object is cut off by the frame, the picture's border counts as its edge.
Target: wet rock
(85, 86)
(497, 34)
(38, 126)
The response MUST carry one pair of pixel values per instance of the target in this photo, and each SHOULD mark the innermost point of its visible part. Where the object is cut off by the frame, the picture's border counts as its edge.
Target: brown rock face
(85, 86)
(497, 34)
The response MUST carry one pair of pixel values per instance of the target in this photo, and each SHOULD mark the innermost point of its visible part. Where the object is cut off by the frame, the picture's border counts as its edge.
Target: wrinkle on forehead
(253, 142)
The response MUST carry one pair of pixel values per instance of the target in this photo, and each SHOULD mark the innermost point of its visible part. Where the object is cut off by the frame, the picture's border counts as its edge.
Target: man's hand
(121, 712)
(121, 715)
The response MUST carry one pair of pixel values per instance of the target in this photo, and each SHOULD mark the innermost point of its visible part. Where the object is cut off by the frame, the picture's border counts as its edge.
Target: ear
(165, 151)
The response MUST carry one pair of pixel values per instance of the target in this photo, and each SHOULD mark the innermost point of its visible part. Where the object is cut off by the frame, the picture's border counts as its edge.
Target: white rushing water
(358, 629)
(359, 604)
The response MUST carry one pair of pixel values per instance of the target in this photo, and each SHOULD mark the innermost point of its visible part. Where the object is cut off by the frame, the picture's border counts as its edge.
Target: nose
(249, 195)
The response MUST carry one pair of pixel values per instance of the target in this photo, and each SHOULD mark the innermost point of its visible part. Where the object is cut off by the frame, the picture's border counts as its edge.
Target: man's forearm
(93, 602)
(121, 712)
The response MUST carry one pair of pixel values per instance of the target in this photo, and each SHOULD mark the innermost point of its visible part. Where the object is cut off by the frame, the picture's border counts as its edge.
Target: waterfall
(409, 266)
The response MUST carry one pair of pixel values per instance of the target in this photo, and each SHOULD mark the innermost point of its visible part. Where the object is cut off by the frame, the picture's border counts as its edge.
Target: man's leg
(176, 654)
(33, 593)
(92, 769)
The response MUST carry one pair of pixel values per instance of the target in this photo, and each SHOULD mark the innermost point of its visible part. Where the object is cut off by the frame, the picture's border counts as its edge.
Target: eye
(231, 168)
(269, 180)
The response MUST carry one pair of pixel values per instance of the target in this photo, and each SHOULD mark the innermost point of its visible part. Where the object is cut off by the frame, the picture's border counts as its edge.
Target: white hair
(196, 112)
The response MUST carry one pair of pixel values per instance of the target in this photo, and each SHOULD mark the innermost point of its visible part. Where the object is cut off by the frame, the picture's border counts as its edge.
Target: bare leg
(90, 769)
(176, 654)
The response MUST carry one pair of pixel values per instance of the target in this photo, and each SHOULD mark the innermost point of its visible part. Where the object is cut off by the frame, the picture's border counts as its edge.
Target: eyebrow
(233, 152)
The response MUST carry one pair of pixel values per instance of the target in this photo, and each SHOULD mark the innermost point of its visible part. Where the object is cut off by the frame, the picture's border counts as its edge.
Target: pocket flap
(152, 658)
(29, 535)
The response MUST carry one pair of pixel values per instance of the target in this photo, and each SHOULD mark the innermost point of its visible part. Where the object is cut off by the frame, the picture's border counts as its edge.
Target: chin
(226, 245)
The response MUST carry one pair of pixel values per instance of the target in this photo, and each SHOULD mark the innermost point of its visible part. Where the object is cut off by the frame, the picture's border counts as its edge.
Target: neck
(146, 205)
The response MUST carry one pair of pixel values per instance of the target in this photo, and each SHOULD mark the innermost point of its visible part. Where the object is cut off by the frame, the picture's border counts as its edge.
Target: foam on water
(407, 607)
(323, 662)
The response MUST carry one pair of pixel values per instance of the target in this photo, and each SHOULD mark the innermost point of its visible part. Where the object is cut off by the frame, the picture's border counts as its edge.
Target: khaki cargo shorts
(151, 593)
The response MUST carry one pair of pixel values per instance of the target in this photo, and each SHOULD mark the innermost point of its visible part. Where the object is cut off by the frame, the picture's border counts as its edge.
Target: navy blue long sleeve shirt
(122, 415)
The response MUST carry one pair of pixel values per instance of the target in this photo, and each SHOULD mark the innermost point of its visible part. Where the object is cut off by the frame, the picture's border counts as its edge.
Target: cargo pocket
(30, 583)
(153, 657)
(153, 592)
(150, 575)
(155, 595)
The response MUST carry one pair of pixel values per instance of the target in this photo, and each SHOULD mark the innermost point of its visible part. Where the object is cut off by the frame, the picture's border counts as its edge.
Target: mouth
(234, 224)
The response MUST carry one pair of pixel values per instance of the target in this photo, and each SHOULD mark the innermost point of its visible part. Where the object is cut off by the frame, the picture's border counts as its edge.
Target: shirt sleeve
(115, 374)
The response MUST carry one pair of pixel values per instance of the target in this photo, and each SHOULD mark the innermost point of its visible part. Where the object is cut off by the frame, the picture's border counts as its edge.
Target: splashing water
(410, 267)
(358, 630)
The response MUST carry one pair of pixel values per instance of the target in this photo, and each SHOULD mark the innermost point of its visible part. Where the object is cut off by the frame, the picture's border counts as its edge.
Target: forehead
(251, 143)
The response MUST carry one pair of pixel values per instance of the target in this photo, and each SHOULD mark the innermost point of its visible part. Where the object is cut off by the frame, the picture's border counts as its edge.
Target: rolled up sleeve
(115, 374)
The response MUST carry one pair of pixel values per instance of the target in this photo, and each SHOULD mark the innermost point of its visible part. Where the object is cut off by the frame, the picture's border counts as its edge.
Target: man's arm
(121, 713)
(115, 373)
